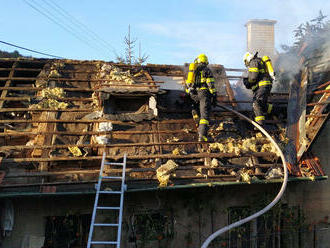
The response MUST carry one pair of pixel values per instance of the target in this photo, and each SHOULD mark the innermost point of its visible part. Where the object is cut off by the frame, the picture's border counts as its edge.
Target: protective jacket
(200, 87)
(258, 75)
(200, 77)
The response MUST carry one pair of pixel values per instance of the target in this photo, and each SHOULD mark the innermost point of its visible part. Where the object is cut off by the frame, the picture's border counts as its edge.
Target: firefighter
(259, 80)
(200, 87)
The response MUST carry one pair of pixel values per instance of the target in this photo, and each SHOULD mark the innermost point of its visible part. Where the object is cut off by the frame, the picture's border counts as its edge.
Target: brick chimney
(260, 37)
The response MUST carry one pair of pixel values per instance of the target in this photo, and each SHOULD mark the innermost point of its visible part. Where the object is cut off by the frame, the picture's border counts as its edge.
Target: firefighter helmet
(247, 58)
(202, 58)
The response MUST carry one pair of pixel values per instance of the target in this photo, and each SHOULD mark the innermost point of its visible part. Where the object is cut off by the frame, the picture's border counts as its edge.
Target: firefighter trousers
(260, 105)
(201, 106)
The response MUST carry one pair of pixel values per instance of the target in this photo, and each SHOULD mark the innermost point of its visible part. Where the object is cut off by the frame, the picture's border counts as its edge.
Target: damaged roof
(59, 116)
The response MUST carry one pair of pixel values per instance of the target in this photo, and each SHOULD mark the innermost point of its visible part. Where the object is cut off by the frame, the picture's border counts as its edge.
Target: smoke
(287, 66)
(326, 46)
(242, 94)
(311, 47)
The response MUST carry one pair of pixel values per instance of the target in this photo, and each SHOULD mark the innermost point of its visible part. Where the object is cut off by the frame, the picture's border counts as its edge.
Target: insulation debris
(164, 172)
(269, 148)
(103, 127)
(176, 151)
(186, 130)
(249, 145)
(113, 74)
(172, 139)
(153, 105)
(245, 175)
(54, 69)
(54, 73)
(273, 173)
(49, 97)
(259, 135)
(52, 93)
(75, 151)
(95, 98)
(220, 127)
(227, 146)
(214, 163)
(238, 146)
(50, 104)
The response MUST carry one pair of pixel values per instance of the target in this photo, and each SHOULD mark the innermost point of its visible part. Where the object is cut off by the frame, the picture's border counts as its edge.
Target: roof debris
(75, 151)
(113, 74)
(76, 110)
(165, 171)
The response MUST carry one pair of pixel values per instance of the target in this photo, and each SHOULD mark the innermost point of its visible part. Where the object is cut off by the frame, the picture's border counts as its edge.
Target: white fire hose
(270, 205)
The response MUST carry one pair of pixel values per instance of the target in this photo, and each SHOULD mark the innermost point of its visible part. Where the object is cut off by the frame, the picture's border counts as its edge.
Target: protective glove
(246, 83)
(191, 91)
(273, 78)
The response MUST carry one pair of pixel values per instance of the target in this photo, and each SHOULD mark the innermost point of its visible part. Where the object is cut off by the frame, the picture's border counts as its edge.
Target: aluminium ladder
(117, 208)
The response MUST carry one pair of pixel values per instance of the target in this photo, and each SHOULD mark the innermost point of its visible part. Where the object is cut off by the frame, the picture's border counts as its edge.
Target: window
(70, 231)
(280, 227)
(150, 226)
(240, 236)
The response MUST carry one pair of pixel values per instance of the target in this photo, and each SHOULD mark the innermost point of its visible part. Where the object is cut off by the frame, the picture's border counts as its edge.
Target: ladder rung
(122, 164)
(104, 242)
(107, 177)
(110, 192)
(109, 208)
(105, 224)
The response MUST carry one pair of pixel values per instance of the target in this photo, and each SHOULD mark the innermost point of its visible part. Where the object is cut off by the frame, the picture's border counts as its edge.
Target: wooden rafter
(8, 82)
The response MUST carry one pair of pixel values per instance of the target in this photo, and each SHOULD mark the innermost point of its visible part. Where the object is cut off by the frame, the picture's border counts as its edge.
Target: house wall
(30, 216)
(194, 213)
(316, 196)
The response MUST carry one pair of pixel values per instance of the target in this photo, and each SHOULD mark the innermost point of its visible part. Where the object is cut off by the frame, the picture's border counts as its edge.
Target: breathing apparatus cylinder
(191, 74)
(269, 66)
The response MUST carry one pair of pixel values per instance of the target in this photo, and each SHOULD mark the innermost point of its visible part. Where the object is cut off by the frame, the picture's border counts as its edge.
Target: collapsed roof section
(59, 116)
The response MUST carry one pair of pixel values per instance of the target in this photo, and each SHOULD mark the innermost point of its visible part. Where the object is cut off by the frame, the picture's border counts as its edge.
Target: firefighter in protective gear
(200, 87)
(259, 80)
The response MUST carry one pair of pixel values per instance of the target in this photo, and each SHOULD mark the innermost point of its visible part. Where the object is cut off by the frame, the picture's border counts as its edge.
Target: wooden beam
(47, 110)
(301, 142)
(8, 82)
(17, 133)
(128, 170)
(75, 80)
(28, 98)
(151, 156)
(182, 143)
(229, 91)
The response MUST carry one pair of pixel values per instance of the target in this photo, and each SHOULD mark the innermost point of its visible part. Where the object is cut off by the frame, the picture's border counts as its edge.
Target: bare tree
(130, 44)
(129, 57)
(142, 58)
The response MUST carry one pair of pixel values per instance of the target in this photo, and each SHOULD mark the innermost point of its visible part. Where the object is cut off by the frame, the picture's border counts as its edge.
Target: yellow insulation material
(114, 74)
(163, 173)
(75, 151)
(52, 93)
(49, 104)
(49, 101)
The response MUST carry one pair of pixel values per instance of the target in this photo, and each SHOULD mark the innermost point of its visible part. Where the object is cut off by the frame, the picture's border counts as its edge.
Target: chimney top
(261, 21)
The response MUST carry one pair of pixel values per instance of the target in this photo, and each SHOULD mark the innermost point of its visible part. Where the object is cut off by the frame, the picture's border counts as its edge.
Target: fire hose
(271, 204)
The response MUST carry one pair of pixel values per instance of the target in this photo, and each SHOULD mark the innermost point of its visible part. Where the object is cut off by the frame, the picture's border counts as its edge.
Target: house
(59, 116)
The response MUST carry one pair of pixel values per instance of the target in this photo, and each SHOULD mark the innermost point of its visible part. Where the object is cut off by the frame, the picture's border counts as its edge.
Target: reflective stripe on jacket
(200, 78)
(257, 74)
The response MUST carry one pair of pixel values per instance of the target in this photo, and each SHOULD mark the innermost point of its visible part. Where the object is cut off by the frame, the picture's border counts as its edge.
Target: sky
(170, 32)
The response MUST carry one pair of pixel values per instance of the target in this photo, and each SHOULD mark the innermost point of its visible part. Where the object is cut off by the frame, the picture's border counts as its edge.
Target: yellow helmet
(202, 58)
(247, 58)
